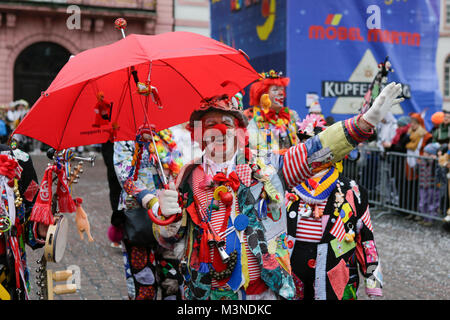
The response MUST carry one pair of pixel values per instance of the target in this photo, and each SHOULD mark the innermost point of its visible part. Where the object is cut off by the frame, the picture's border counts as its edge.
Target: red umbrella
(97, 89)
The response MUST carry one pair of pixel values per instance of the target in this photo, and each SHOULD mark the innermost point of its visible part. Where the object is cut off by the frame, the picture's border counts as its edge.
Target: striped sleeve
(295, 165)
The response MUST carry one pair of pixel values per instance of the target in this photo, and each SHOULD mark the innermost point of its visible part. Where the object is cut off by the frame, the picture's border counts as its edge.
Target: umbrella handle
(159, 221)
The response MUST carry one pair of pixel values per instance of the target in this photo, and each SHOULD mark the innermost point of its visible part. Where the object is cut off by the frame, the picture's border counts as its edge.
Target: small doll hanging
(103, 110)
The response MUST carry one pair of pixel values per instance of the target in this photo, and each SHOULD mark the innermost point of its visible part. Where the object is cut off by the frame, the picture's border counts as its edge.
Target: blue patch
(313, 144)
(241, 222)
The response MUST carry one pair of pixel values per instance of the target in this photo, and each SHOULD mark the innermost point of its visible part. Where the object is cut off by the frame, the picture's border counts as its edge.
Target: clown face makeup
(219, 136)
(277, 96)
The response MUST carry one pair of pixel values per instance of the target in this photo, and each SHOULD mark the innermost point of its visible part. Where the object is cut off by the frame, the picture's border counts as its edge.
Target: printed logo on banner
(331, 31)
(349, 93)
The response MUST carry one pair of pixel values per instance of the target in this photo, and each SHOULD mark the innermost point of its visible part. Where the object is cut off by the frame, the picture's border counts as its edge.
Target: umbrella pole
(159, 162)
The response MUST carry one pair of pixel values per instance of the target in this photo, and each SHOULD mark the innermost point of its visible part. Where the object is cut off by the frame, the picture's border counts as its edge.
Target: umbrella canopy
(96, 90)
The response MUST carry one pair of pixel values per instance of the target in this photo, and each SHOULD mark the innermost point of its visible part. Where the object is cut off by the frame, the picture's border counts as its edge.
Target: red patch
(31, 191)
(146, 293)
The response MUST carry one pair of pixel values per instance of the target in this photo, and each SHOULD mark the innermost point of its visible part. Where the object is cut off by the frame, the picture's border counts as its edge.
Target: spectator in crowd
(428, 188)
(418, 138)
(315, 108)
(18, 110)
(441, 134)
(444, 177)
(401, 137)
(5, 130)
(398, 144)
(386, 130)
(436, 119)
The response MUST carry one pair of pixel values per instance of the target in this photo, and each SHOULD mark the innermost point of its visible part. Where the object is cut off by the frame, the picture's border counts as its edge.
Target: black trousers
(117, 217)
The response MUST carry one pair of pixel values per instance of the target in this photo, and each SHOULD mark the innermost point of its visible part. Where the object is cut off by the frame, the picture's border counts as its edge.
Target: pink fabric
(377, 292)
(338, 277)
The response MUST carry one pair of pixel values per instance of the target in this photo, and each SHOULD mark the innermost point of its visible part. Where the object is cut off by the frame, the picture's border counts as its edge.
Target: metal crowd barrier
(400, 183)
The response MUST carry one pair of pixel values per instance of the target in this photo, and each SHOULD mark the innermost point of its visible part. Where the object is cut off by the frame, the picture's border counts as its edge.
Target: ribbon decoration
(232, 180)
(10, 168)
(273, 116)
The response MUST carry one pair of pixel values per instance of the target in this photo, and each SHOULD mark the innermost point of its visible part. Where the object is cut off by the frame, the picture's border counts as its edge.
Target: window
(447, 12)
(447, 78)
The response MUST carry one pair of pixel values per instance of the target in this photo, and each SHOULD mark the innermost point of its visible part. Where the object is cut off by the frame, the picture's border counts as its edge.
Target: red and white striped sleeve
(295, 165)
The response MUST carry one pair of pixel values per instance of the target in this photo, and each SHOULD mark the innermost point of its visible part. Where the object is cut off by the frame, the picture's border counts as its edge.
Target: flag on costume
(366, 219)
(338, 229)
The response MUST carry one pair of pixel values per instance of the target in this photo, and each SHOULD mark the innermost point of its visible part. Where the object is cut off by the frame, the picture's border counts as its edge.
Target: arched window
(36, 67)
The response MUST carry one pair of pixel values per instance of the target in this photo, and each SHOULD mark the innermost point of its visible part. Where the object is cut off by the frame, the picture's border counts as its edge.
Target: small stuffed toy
(82, 221)
(102, 110)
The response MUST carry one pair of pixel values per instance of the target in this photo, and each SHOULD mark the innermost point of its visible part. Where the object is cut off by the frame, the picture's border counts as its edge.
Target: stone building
(37, 37)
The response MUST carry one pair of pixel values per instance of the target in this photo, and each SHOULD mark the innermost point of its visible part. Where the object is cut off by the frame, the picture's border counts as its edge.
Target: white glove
(168, 200)
(383, 103)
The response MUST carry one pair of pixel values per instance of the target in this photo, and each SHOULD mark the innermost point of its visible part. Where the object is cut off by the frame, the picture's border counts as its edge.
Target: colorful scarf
(42, 209)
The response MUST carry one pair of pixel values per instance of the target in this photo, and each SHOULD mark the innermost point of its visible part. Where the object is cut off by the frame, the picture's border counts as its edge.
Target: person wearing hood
(428, 184)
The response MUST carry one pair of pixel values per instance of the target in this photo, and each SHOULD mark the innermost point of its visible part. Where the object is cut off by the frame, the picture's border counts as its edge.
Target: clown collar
(319, 188)
(210, 167)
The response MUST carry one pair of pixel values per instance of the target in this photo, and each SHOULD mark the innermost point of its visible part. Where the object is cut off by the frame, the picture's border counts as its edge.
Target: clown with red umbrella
(130, 92)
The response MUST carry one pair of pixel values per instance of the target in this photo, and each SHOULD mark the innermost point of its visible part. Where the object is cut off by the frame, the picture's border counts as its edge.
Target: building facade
(37, 37)
(443, 54)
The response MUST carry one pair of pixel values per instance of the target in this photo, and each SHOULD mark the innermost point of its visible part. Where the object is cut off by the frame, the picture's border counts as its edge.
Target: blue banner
(258, 27)
(334, 47)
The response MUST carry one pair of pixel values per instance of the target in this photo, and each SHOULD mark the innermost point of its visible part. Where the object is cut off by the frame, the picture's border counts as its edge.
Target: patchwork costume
(243, 204)
(329, 247)
(329, 229)
(151, 272)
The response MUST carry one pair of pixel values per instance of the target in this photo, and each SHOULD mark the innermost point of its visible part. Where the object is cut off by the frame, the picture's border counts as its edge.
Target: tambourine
(55, 243)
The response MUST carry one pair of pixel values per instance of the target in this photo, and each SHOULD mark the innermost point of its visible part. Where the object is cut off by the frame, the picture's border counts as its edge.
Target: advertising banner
(334, 48)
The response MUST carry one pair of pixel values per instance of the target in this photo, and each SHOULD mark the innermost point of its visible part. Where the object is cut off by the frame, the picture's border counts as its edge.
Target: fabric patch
(269, 261)
(366, 219)
(338, 229)
(31, 191)
(320, 283)
(299, 288)
(350, 199)
(145, 276)
(244, 173)
(224, 295)
(325, 219)
(341, 247)
(146, 293)
(338, 277)
(346, 212)
(370, 251)
(378, 274)
(350, 292)
(138, 258)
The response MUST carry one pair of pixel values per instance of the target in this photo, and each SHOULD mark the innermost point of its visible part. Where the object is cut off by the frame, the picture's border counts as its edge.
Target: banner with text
(334, 48)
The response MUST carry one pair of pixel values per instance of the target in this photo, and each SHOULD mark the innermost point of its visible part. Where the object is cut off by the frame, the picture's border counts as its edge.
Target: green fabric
(335, 139)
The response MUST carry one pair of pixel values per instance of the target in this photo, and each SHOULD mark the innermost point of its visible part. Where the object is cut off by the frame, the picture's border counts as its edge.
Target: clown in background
(272, 126)
(151, 272)
(330, 233)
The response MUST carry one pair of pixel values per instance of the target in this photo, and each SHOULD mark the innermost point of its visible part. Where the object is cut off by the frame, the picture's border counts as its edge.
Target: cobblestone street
(415, 259)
